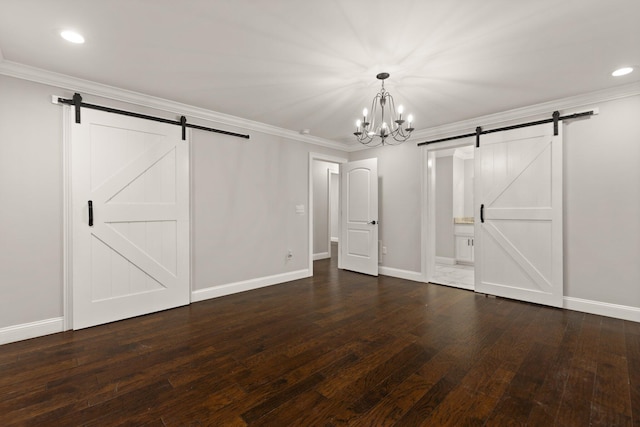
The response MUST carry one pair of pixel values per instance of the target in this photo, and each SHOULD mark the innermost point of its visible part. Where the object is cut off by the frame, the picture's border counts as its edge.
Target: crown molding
(533, 112)
(62, 81)
(564, 105)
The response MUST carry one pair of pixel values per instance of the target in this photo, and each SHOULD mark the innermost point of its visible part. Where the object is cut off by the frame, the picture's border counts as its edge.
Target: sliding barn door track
(77, 103)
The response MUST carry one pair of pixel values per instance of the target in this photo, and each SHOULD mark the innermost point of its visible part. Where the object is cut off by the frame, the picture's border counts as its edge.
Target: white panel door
(518, 217)
(134, 258)
(359, 216)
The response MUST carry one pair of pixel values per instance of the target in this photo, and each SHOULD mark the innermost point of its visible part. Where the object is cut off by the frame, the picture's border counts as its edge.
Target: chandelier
(373, 131)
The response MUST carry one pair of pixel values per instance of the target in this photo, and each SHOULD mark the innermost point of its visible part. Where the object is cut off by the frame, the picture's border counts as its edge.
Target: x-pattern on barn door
(518, 223)
(130, 216)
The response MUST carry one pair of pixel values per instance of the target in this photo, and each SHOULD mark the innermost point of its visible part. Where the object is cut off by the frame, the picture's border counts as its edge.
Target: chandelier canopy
(374, 128)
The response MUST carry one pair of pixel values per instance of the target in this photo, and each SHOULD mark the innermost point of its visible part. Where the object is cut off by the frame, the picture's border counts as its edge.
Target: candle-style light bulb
(358, 123)
(400, 110)
(410, 119)
(364, 113)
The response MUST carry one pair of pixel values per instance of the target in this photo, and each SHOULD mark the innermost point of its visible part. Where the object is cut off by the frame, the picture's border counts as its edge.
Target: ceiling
(311, 65)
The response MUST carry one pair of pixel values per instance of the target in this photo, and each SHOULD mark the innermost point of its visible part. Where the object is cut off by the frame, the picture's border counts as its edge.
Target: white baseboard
(445, 260)
(246, 285)
(321, 255)
(335, 239)
(416, 276)
(26, 331)
(617, 311)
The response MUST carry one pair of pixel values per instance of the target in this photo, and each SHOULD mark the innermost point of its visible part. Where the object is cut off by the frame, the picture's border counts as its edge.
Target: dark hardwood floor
(337, 349)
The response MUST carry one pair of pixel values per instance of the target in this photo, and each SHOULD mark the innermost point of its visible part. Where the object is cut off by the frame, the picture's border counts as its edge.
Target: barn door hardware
(77, 103)
(90, 203)
(555, 119)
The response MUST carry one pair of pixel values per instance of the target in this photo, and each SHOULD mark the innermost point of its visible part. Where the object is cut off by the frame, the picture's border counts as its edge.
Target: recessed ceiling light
(72, 37)
(622, 71)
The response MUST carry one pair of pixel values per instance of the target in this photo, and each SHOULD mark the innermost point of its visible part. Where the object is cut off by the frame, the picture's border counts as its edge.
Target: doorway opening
(324, 192)
(324, 220)
(452, 185)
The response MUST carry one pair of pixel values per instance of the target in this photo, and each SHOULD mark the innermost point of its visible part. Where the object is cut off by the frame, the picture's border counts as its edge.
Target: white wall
(321, 205)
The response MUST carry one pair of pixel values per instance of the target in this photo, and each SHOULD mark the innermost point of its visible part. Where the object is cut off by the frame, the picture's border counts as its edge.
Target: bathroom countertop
(463, 220)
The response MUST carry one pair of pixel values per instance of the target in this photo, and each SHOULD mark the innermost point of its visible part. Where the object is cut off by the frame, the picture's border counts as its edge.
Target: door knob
(372, 222)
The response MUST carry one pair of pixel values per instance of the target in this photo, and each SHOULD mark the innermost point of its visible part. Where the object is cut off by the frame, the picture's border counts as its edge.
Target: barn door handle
(372, 222)
(482, 213)
(90, 203)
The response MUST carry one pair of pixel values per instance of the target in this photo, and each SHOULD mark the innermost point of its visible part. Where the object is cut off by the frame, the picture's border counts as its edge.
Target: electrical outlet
(289, 254)
(384, 250)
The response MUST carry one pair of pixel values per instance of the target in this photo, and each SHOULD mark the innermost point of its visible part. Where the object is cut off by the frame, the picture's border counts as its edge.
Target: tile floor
(459, 275)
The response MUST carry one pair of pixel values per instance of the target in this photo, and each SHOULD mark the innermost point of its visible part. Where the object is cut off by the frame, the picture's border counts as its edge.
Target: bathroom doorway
(454, 217)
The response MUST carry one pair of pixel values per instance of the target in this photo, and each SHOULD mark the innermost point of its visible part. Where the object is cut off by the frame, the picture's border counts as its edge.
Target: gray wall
(244, 199)
(31, 203)
(601, 204)
(468, 187)
(399, 203)
(458, 187)
(244, 196)
(445, 242)
(334, 211)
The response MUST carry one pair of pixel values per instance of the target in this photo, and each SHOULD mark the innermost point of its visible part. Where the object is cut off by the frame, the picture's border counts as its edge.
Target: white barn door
(518, 218)
(359, 216)
(134, 257)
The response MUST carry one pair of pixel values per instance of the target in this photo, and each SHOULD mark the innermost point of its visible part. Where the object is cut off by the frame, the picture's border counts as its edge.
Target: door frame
(324, 158)
(428, 239)
(330, 206)
(68, 120)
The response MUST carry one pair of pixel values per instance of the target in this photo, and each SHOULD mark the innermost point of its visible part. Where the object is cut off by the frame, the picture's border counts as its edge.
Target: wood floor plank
(395, 404)
(549, 395)
(336, 349)
(483, 401)
(632, 341)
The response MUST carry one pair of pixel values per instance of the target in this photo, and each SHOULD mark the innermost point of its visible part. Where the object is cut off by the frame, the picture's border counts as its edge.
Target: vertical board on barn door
(518, 221)
(134, 258)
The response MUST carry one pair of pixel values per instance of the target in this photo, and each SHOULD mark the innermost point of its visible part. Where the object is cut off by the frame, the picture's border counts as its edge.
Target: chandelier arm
(383, 101)
(392, 112)
(374, 113)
